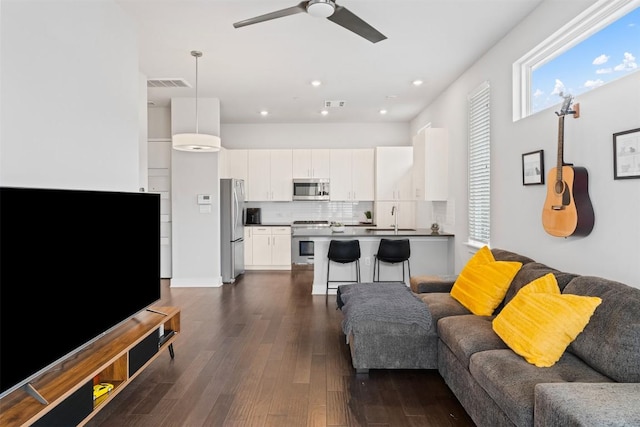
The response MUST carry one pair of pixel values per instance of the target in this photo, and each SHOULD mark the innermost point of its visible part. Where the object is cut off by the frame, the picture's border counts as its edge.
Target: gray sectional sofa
(595, 383)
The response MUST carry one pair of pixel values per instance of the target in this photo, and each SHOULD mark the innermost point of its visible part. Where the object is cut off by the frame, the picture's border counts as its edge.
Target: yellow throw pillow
(483, 282)
(539, 323)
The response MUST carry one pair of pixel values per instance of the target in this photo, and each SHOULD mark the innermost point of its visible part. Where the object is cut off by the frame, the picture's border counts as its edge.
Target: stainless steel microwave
(311, 189)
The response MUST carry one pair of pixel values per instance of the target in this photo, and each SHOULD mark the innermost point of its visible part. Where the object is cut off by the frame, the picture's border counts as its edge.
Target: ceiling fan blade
(343, 17)
(301, 7)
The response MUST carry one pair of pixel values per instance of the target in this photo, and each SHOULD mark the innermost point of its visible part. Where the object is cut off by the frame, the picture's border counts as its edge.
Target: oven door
(301, 251)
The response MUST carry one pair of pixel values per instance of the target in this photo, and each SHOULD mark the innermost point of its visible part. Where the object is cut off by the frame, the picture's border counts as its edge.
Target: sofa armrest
(431, 284)
(581, 404)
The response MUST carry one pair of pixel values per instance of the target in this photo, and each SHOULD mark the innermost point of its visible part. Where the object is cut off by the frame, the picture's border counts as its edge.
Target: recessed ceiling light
(315, 83)
(391, 96)
(417, 82)
(324, 112)
(383, 111)
(264, 113)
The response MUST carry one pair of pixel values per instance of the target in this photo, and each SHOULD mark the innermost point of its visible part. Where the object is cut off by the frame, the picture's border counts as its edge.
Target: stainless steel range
(302, 252)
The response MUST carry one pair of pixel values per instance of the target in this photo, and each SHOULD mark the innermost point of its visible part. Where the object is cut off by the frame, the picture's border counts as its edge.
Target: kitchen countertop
(364, 232)
(270, 224)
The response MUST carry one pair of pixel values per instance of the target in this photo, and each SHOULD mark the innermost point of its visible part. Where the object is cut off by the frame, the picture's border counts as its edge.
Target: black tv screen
(74, 264)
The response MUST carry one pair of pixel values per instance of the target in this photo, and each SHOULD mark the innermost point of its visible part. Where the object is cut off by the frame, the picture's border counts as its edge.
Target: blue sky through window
(609, 54)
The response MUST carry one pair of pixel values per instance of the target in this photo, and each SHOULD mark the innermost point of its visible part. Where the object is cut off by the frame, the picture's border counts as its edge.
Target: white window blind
(480, 165)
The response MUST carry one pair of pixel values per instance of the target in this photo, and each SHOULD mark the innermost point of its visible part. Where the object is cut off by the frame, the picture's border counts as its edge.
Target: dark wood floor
(265, 352)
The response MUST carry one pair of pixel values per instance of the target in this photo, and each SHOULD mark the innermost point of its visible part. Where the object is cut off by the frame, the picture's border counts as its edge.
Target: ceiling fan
(323, 9)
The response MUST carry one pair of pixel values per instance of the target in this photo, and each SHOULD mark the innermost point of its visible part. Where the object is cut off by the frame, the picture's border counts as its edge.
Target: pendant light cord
(196, 54)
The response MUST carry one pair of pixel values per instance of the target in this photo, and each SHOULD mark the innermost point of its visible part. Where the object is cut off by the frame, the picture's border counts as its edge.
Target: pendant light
(196, 142)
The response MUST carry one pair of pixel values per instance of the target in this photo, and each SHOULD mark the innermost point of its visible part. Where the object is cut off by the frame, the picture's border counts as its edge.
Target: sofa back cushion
(610, 342)
(530, 272)
(504, 255)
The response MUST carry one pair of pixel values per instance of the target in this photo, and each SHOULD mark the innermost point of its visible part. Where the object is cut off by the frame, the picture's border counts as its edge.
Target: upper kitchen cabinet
(236, 165)
(430, 164)
(269, 175)
(312, 163)
(352, 175)
(394, 173)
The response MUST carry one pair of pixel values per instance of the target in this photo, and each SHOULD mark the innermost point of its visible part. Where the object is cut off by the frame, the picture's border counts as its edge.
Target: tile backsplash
(287, 212)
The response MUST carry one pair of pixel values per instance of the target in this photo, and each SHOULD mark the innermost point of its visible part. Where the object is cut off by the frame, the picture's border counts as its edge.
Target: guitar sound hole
(559, 187)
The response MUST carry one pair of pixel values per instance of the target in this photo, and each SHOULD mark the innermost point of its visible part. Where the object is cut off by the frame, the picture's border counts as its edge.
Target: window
(480, 165)
(598, 46)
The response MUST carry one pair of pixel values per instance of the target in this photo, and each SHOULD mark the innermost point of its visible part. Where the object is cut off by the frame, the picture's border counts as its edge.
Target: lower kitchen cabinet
(267, 248)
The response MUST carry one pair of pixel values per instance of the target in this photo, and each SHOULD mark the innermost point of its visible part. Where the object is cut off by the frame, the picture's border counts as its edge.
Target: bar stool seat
(392, 251)
(343, 252)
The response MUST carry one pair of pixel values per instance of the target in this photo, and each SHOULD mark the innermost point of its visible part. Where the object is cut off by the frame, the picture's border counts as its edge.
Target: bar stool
(392, 251)
(343, 252)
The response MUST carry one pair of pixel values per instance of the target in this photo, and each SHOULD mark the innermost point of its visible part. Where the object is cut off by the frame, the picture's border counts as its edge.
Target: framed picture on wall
(533, 168)
(626, 154)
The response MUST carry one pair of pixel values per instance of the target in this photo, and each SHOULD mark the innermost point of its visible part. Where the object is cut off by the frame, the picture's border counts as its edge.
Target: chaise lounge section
(596, 381)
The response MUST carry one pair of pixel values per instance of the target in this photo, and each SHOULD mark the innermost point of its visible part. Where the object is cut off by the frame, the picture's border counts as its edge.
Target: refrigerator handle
(235, 200)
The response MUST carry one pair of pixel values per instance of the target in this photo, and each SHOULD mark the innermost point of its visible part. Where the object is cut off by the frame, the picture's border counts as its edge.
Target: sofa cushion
(539, 323)
(611, 340)
(442, 305)
(483, 282)
(504, 255)
(581, 404)
(528, 273)
(427, 283)
(468, 334)
(510, 380)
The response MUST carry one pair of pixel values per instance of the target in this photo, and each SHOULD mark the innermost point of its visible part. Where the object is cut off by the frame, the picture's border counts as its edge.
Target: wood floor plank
(265, 352)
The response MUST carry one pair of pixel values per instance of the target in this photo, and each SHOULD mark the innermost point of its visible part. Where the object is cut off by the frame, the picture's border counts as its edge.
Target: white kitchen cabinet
(281, 247)
(314, 163)
(248, 246)
(269, 175)
(394, 173)
(406, 214)
(352, 174)
(268, 248)
(236, 164)
(430, 165)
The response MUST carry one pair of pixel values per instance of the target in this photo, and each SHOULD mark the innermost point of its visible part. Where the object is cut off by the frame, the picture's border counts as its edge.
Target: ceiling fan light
(321, 8)
(198, 142)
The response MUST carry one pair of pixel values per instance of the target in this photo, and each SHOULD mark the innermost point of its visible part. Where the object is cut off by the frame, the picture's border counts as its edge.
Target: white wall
(70, 96)
(195, 230)
(612, 249)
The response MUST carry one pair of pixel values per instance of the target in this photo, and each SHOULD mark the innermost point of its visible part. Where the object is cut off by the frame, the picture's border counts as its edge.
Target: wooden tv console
(116, 358)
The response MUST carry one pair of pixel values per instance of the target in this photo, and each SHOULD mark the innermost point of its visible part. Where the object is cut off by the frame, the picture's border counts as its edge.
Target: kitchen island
(431, 254)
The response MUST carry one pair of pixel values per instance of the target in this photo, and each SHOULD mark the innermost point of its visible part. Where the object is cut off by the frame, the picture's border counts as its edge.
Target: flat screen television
(74, 264)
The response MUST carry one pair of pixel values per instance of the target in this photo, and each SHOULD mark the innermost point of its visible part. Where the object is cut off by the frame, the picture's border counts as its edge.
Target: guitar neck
(560, 159)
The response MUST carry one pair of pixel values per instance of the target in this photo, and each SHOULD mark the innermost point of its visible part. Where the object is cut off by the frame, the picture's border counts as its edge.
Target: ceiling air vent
(332, 104)
(167, 83)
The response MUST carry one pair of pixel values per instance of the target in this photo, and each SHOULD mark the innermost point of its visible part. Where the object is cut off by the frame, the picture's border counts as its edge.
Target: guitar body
(567, 208)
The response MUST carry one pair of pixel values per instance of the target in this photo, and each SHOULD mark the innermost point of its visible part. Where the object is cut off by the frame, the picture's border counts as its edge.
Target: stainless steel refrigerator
(232, 198)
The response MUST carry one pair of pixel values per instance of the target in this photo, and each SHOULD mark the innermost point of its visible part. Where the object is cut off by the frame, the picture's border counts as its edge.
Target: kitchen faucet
(394, 213)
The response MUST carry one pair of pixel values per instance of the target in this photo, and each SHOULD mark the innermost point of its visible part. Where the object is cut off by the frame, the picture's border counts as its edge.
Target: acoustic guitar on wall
(567, 208)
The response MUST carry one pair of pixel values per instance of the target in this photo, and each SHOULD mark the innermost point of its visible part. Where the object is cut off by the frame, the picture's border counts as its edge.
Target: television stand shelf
(116, 358)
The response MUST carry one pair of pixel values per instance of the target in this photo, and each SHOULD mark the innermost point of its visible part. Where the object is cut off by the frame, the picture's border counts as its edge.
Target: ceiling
(269, 65)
